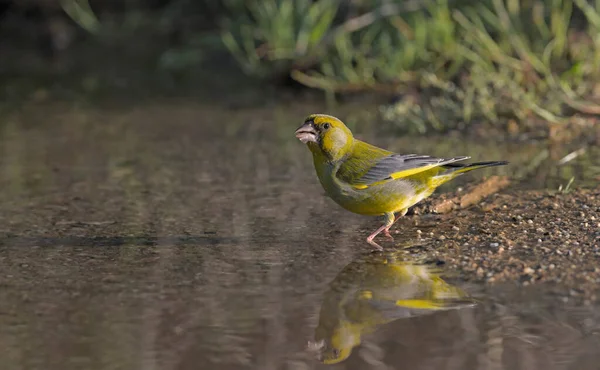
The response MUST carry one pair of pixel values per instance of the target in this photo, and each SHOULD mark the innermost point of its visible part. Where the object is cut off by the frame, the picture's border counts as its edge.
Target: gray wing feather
(402, 162)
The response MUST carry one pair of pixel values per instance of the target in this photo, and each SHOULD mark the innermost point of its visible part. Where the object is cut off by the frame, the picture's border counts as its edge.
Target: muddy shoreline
(522, 237)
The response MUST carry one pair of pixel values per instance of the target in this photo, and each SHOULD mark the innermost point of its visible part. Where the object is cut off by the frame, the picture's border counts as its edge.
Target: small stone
(528, 271)
(530, 222)
(552, 266)
(442, 237)
(455, 228)
(494, 245)
(419, 231)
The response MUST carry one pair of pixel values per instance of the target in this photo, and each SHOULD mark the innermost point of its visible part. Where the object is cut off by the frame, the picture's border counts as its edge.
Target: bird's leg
(389, 221)
(372, 236)
(386, 231)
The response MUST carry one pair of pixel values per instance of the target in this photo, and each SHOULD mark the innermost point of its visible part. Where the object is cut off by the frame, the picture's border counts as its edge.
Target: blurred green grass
(442, 65)
(448, 63)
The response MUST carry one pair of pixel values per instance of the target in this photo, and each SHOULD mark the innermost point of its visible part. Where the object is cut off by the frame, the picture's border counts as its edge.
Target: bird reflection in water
(374, 290)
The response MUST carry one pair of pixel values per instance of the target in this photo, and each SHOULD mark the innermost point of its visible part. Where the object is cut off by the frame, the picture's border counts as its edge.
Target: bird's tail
(456, 169)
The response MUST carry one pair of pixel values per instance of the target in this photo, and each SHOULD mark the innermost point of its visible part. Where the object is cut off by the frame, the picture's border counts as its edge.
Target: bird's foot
(375, 245)
(386, 233)
(385, 230)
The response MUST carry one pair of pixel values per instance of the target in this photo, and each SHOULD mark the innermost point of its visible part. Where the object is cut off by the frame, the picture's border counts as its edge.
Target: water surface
(181, 236)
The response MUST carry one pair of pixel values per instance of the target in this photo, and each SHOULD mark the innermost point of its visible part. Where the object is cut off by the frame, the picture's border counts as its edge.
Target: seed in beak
(307, 133)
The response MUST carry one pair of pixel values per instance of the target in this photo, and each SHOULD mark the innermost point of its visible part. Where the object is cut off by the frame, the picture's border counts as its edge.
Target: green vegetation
(452, 63)
(516, 65)
(567, 189)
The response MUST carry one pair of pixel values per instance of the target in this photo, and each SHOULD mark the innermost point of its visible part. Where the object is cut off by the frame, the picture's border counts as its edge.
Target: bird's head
(326, 135)
(336, 345)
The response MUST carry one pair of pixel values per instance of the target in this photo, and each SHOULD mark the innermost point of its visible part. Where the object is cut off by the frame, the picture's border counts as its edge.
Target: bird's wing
(417, 307)
(397, 166)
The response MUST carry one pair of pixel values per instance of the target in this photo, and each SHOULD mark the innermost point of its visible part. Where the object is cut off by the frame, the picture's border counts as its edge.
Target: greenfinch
(372, 291)
(368, 180)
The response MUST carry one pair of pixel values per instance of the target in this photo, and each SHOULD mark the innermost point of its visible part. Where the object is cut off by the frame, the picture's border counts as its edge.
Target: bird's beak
(307, 133)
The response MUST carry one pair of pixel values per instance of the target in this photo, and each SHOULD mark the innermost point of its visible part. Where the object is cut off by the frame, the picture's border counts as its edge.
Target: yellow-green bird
(368, 180)
(375, 290)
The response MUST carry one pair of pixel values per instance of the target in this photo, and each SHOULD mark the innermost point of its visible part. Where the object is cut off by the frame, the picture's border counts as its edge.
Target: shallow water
(179, 236)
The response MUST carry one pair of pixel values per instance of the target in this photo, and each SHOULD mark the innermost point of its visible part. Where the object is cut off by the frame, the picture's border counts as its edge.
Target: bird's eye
(336, 352)
(326, 126)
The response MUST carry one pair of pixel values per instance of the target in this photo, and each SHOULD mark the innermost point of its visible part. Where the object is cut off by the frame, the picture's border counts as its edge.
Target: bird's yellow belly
(392, 196)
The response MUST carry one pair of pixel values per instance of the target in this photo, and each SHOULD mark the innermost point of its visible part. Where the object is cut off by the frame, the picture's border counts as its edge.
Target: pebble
(528, 270)
(494, 245)
(530, 222)
(455, 228)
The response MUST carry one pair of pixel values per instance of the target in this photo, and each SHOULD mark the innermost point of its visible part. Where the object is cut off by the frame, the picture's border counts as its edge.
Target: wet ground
(181, 236)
